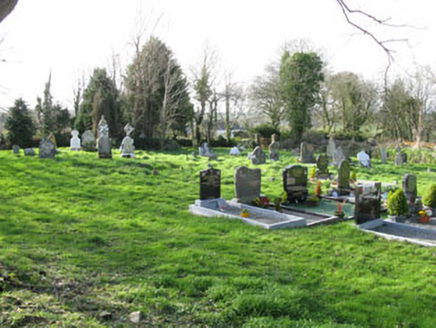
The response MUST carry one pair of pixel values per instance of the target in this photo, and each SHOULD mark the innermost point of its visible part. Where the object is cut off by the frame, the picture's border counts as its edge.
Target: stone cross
(210, 184)
(247, 184)
(295, 182)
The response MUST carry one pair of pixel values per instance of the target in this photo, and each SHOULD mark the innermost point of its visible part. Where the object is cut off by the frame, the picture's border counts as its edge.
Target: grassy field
(86, 242)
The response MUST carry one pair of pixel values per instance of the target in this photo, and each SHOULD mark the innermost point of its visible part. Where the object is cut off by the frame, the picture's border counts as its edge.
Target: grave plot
(325, 208)
(256, 216)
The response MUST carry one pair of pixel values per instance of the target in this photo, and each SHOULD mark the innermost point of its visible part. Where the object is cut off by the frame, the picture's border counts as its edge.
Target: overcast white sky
(71, 37)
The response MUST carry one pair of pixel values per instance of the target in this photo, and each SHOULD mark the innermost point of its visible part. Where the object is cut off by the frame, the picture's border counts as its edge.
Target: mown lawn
(85, 242)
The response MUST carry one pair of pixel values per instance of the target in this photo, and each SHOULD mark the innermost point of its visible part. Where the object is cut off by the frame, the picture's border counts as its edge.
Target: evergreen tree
(20, 125)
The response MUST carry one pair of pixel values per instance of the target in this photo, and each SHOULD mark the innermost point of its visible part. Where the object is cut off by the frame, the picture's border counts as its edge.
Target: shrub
(397, 203)
(429, 198)
(266, 130)
(20, 125)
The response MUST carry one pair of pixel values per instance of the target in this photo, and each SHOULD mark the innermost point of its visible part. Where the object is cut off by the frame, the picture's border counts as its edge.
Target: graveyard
(91, 241)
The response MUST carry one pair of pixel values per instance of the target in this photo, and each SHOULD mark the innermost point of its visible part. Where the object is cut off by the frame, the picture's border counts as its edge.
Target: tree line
(295, 94)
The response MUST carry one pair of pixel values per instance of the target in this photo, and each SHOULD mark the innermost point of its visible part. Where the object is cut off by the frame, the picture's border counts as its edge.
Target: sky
(69, 38)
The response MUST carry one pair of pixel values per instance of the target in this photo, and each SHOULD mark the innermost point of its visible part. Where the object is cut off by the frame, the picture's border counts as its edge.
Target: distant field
(85, 242)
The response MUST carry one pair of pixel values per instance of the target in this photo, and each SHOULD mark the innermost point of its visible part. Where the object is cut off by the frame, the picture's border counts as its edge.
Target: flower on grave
(339, 207)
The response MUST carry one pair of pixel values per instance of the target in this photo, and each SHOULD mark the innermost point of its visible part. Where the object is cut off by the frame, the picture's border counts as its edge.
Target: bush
(429, 198)
(184, 142)
(20, 125)
(397, 203)
(266, 130)
(222, 142)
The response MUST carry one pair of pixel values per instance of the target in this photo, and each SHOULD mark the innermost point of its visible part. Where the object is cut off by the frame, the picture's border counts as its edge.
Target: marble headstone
(47, 148)
(247, 184)
(367, 205)
(104, 142)
(344, 177)
(410, 187)
(88, 141)
(127, 148)
(322, 164)
(75, 141)
(257, 156)
(306, 153)
(274, 149)
(364, 159)
(210, 184)
(295, 182)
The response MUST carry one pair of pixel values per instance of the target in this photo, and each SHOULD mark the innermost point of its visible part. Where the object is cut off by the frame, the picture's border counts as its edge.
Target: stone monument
(339, 155)
(274, 149)
(127, 148)
(344, 177)
(410, 187)
(16, 149)
(295, 182)
(257, 156)
(322, 164)
(104, 142)
(383, 155)
(364, 159)
(398, 156)
(210, 184)
(47, 148)
(306, 153)
(331, 148)
(75, 141)
(29, 152)
(235, 151)
(367, 206)
(247, 184)
(88, 141)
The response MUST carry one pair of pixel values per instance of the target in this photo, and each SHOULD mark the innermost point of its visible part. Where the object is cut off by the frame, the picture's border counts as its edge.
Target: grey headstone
(295, 182)
(383, 155)
(247, 184)
(322, 164)
(306, 153)
(331, 148)
(47, 148)
(88, 141)
(127, 148)
(210, 184)
(344, 177)
(367, 206)
(29, 152)
(104, 142)
(274, 149)
(257, 156)
(204, 150)
(338, 155)
(410, 187)
(16, 149)
(258, 140)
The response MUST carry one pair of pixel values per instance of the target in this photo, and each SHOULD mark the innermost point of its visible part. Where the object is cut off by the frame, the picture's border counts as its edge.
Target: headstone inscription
(295, 182)
(75, 141)
(104, 142)
(367, 206)
(257, 156)
(47, 148)
(410, 187)
(364, 159)
(88, 141)
(247, 184)
(274, 149)
(322, 164)
(16, 149)
(383, 155)
(127, 148)
(210, 184)
(344, 177)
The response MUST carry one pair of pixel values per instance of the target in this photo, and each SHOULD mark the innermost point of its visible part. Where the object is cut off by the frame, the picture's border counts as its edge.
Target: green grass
(79, 236)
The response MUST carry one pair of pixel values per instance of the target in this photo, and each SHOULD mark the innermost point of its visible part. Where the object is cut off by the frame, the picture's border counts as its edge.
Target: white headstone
(235, 151)
(75, 141)
(364, 159)
(127, 148)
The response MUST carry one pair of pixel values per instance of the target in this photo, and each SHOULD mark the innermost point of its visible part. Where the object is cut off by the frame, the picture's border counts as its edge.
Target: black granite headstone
(210, 184)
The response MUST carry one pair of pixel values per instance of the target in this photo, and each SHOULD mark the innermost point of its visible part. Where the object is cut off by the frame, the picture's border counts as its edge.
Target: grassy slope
(79, 236)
